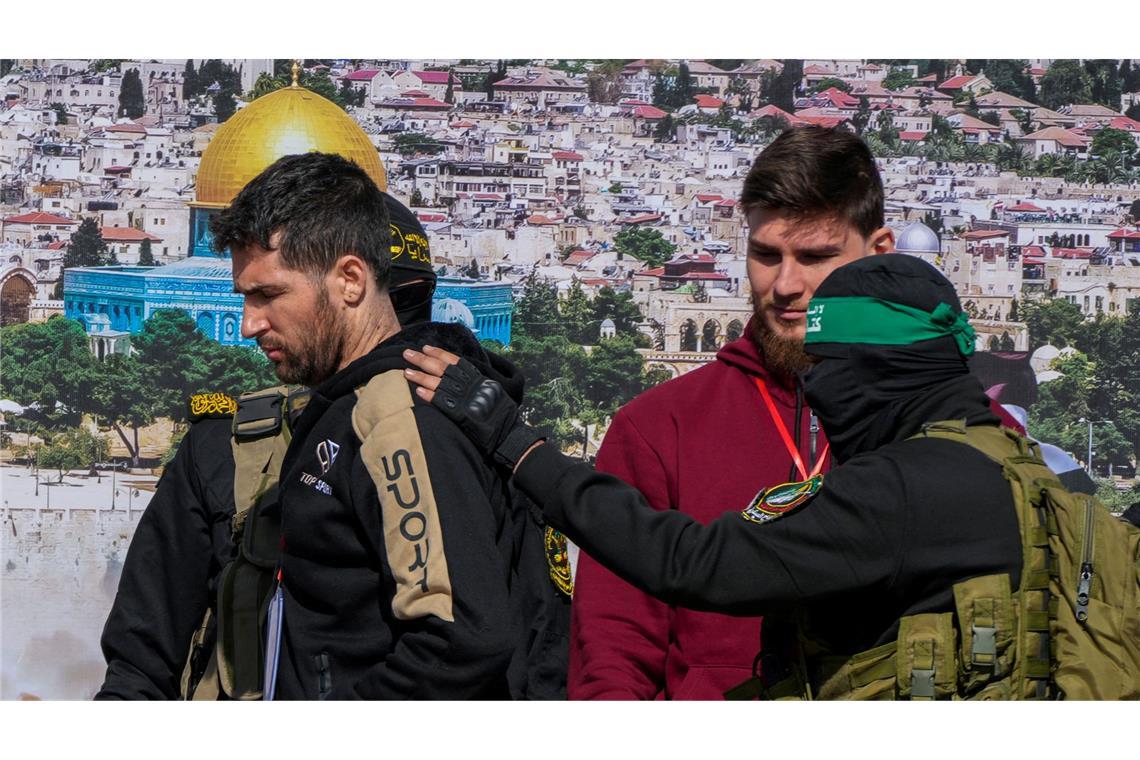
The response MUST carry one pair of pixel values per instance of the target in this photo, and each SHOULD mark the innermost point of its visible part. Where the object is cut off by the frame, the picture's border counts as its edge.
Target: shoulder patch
(778, 501)
(203, 406)
(558, 561)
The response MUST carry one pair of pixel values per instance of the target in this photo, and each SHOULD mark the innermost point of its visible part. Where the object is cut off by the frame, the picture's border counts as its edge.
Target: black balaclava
(867, 395)
(411, 282)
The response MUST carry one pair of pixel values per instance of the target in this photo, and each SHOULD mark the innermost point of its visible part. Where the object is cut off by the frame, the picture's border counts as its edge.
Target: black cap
(411, 282)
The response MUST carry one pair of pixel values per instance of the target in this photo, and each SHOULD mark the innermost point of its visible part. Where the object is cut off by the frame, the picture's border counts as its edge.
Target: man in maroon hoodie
(707, 442)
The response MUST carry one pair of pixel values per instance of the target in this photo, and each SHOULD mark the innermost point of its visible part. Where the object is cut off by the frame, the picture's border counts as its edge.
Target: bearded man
(710, 440)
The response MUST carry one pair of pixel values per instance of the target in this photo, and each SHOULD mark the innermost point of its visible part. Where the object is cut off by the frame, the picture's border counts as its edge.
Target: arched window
(688, 335)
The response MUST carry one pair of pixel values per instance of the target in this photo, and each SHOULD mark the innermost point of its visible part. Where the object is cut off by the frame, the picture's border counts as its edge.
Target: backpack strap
(393, 454)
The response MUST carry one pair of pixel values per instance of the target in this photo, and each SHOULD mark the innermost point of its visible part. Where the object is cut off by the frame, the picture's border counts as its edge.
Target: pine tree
(683, 90)
(449, 96)
(190, 86)
(132, 100)
(87, 247)
(146, 256)
(536, 313)
(578, 314)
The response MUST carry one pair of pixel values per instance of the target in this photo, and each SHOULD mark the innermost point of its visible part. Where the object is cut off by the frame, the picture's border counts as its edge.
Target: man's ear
(351, 278)
(881, 240)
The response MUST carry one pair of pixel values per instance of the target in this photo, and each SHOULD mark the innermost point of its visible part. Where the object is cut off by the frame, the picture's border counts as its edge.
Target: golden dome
(290, 120)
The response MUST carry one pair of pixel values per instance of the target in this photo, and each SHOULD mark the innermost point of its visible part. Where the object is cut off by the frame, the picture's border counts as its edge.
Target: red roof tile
(567, 155)
(1125, 234)
(640, 219)
(364, 75)
(956, 83)
(38, 217)
(1124, 123)
(1026, 207)
(707, 101)
(708, 197)
(540, 220)
(649, 112)
(912, 136)
(126, 235)
(427, 216)
(437, 77)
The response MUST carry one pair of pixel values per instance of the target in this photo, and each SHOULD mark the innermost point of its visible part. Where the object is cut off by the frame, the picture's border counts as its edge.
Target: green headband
(861, 319)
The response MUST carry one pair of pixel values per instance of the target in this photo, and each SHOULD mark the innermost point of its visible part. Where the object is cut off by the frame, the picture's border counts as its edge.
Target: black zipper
(1084, 577)
(324, 680)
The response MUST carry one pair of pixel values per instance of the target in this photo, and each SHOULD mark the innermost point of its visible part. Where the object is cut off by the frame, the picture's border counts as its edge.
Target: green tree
(1010, 75)
(497, 74)
(1105, 82)
(683, 91)
(449, 94)
(172, 351)
(123, 396)
(146, 255)
(132, 99)
(662, 94)
(578, 314)
(190, 86)
(554, 369)
(615, 374)
(6, 65)
(644, 244)
(741, 93)
(603, 83)
(990, 117)
(411, 143)
(862, 116)
(828, 82)
(618, 306)
(417, 198)
(60, 113)
(72, 448)
(1065, 83)
(1052, 322)
(536, 312)
(48, 365)
(898, 79)
(1115, 144)
(87, 247)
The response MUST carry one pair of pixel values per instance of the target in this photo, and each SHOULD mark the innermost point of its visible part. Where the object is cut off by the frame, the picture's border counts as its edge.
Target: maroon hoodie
(704, 443)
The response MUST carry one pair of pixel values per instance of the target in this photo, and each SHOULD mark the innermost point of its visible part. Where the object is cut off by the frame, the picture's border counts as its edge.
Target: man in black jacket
(884, 536)
(182, 541)
(338, 639)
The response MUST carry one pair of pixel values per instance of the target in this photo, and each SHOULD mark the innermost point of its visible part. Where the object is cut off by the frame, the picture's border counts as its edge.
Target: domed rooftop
(290, 120)
(206, 267)
(918, 238)
(451, 310)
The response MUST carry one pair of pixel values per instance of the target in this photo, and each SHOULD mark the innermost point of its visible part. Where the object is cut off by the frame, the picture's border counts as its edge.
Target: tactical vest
(1072, 629)
(227, 655)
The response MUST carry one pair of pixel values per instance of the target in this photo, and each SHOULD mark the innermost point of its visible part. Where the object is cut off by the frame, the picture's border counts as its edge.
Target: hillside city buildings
(535, 174)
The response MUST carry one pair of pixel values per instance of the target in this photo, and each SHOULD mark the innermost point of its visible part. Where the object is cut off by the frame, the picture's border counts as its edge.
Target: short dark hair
(809, 172)
(323, 205)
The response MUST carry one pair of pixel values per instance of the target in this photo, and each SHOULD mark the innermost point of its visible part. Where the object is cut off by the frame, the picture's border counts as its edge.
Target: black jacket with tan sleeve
(401, 590)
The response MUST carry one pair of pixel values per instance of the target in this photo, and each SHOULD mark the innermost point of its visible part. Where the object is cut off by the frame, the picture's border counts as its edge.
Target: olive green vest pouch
(1078, 612)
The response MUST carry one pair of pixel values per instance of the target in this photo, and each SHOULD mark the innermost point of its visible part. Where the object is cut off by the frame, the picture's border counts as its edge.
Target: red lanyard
(788, 442)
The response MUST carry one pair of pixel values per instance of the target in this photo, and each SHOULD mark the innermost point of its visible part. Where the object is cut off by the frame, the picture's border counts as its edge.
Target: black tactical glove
(484, 412)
